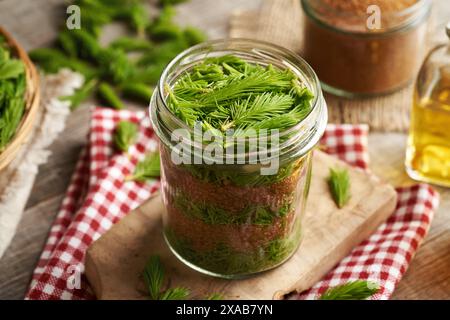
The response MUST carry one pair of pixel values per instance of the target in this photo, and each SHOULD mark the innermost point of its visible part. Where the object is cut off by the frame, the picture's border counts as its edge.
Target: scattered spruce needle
(129, 44)
(355, 290)
(88, 45)
(125, 135)
(149, 168)
(170, 2)
(166, 31)
(154, 277)
(116, 66)
(109, 96)
(154, 281)
(178, 293)
(81, 94)
(52, 60)
(138, 18)
(139, 91)
(215, 296)
(153, 42)
(339, 183)
(67, 43)
(193, 36)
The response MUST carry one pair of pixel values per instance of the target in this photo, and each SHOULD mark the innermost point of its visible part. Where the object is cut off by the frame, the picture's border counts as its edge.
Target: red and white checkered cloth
(98, 197)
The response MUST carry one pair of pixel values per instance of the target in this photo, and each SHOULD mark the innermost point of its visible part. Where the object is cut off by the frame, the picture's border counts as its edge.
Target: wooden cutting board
(114, 263)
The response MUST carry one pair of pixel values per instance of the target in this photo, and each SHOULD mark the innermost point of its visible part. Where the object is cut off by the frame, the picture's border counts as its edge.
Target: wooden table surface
(34, 25)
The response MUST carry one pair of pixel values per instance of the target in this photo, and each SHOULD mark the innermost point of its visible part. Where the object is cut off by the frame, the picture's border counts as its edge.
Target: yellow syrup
(428, 153)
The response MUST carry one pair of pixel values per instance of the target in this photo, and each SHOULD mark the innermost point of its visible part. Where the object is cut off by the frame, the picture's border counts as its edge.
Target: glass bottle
(428, 151)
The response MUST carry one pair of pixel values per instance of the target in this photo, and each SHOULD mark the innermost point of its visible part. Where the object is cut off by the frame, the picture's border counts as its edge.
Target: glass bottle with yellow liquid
(428, 152)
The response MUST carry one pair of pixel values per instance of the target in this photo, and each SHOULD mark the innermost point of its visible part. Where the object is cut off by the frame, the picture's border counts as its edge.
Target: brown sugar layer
(234, 198)
(241, 238)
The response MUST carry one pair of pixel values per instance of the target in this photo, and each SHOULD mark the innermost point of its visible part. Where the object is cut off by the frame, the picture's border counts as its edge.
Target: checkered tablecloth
(98, 197)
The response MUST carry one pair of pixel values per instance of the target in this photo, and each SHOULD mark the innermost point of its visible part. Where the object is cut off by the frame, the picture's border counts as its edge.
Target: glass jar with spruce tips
(237, 120)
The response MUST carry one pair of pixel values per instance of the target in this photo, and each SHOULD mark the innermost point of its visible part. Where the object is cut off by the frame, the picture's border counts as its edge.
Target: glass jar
(356, 53)
(428, 151)
(232, 220)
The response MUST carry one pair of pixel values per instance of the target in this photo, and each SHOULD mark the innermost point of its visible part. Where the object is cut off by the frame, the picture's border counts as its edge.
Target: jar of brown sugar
(365, 47)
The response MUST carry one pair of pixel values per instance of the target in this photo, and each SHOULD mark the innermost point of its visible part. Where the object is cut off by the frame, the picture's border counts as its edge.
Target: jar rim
(413, 16)
(264, 49)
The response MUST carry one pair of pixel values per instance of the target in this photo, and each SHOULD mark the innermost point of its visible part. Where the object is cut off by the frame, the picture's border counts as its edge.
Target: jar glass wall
(230, 220)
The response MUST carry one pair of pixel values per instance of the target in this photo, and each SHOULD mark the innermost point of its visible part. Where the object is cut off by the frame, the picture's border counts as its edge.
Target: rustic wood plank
(34, 24)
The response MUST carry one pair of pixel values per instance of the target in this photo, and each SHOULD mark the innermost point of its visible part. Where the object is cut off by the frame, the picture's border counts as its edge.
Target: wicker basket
(32, 96)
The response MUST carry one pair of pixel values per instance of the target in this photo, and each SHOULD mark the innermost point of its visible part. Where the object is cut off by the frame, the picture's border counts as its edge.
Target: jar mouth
(397, 20)
(304, 134)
